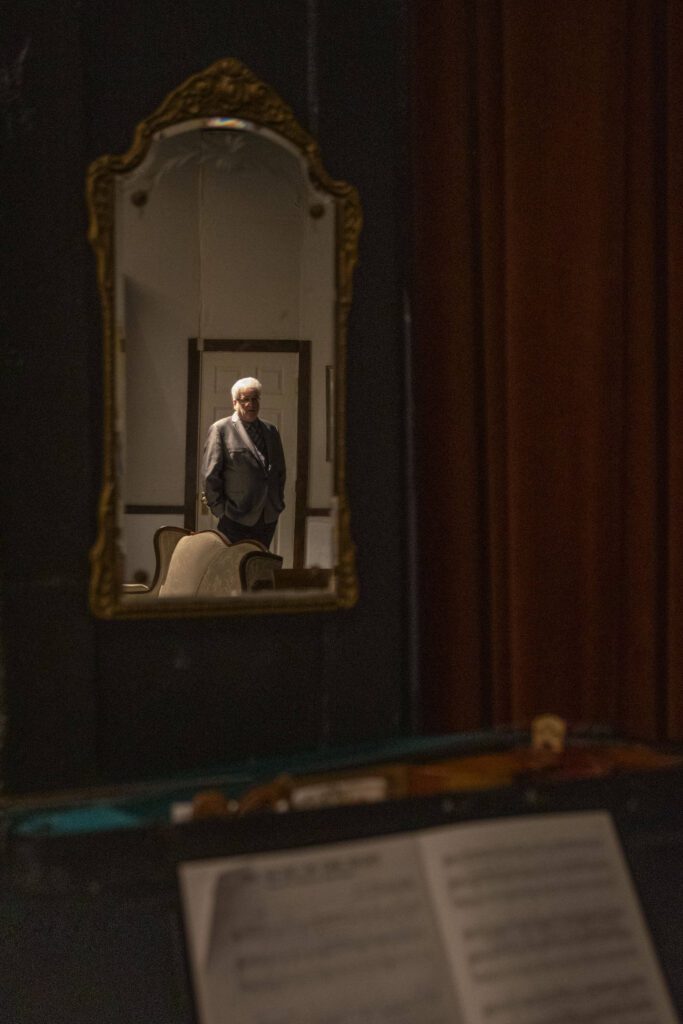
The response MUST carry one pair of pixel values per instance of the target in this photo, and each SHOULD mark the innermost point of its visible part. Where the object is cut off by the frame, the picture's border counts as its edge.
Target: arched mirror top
(224, 251)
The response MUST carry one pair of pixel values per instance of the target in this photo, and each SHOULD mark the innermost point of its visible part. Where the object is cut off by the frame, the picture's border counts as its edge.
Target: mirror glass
(225, 256)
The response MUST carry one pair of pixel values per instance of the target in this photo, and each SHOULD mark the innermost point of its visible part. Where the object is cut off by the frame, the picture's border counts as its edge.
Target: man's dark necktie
(255, 431)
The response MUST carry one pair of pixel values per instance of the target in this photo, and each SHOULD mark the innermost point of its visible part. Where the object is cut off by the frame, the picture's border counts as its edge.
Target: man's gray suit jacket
(238, 482)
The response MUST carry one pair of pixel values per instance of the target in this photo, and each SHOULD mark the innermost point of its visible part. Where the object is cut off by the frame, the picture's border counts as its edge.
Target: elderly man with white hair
(243, 469)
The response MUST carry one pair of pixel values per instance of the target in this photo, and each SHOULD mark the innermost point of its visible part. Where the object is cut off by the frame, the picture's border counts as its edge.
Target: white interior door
(278, 373)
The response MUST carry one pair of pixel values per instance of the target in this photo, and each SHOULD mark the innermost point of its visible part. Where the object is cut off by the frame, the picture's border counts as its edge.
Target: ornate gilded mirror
(225, 254)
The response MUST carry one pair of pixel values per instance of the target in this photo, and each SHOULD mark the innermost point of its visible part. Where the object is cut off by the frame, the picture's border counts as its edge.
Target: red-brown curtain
(548, 324)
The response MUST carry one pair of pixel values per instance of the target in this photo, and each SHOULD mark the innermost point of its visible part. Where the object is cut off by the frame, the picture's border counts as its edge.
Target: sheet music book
(523, 920)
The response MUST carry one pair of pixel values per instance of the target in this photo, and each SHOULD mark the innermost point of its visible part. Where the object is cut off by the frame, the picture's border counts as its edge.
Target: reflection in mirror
(225, 252)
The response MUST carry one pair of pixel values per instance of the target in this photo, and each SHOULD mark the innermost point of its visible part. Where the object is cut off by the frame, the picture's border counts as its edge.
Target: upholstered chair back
(205, 564)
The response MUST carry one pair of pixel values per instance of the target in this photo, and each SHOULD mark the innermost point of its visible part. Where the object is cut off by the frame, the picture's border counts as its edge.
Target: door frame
(195, 348)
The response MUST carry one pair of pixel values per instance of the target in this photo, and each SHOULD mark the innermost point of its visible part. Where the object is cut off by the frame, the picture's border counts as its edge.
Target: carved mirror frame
(227, 89)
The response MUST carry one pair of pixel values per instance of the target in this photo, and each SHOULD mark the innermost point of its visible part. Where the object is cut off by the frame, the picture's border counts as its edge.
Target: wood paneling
(103, 701)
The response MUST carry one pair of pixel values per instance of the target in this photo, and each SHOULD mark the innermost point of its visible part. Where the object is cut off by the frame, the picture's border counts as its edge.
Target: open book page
(528, 920)
(343, 934)
(542, 923)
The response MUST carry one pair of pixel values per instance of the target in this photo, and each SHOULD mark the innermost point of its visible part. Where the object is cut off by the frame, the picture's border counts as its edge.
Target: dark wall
(92, 701)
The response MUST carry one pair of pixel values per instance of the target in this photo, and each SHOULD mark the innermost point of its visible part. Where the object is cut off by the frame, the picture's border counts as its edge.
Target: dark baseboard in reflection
(297, 579)
(155, 510)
